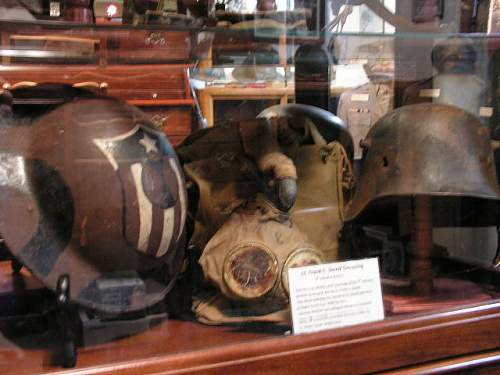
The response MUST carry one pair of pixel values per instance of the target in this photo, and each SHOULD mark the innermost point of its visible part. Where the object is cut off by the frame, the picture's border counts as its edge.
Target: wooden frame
(465, 338)
(208, 95)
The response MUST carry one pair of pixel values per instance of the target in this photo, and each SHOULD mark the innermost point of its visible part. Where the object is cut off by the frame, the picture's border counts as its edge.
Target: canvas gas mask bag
(325, 184)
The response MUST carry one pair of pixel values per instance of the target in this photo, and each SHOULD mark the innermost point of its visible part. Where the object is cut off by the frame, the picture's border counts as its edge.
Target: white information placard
(334, 295)
(360, 97)
(485, 111)
(429, 93)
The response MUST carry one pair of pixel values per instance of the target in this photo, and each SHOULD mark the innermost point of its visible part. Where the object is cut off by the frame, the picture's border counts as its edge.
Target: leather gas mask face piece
(249, 257)
(428, 149)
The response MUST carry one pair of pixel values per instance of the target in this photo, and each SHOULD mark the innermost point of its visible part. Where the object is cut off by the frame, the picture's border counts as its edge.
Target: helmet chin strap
(312, 130)
(496, 260)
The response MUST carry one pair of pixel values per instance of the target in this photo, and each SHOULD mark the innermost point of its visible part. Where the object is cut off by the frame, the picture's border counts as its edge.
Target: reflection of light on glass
(32, 53)
(363, 19)
(55, 9)
(351, 75)
(12, 171)
(111, 10)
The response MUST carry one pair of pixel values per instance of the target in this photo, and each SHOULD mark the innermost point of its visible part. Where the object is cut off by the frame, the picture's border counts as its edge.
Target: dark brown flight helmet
(93, 192)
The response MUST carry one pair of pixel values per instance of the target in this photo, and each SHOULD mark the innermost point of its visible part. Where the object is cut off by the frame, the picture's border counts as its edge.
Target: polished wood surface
(446, 293)
(481, 363)
(461, 338)
(184, 347)
(137, 353)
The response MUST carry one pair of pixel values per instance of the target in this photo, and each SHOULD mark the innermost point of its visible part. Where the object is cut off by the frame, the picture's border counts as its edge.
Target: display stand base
(96, 330)
(447, 293)
(26, 304)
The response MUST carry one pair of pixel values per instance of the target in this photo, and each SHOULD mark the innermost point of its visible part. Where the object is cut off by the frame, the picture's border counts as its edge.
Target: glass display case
(168, 168)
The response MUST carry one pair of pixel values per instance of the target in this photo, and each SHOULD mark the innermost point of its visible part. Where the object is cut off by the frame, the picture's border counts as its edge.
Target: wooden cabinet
(148, 69)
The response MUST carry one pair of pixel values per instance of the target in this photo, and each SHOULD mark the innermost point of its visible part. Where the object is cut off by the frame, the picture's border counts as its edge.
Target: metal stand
(16, 266)
(27, 305)
(421, 248)
(64, 317)
(496, 260)
(426, 292)
(80, 325)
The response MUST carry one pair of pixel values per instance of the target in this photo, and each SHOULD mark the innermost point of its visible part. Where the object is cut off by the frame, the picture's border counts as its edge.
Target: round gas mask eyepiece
(250, 270)
(299, 258)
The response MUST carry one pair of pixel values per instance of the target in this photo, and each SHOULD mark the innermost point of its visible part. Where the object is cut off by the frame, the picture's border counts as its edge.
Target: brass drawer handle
(155, 39)
(101, 88)
(94, 85)
(55, 38)
(159, 121)
(21, 84)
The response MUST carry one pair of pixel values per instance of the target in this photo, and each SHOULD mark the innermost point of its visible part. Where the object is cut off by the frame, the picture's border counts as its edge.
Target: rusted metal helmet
(427, 149)
(92, 192)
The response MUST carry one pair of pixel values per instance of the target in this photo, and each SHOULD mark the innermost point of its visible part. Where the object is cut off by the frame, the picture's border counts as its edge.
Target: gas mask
(249, 257)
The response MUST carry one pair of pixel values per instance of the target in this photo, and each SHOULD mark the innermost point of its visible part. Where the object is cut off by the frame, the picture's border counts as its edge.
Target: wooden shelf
(368, 348)
(462, 338)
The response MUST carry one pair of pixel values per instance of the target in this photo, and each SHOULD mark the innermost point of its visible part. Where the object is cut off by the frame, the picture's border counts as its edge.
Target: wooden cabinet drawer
(161, 91)
(152, 85)
(146, 82)
(89, 47)
(152, 46)
(174, 121)
(51, 47)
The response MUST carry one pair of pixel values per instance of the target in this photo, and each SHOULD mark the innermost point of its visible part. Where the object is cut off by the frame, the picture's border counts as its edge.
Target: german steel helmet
(428, 149)
(93, 192)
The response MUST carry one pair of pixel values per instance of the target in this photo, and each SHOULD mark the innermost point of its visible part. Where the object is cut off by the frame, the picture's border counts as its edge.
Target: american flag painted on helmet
(155, 204)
